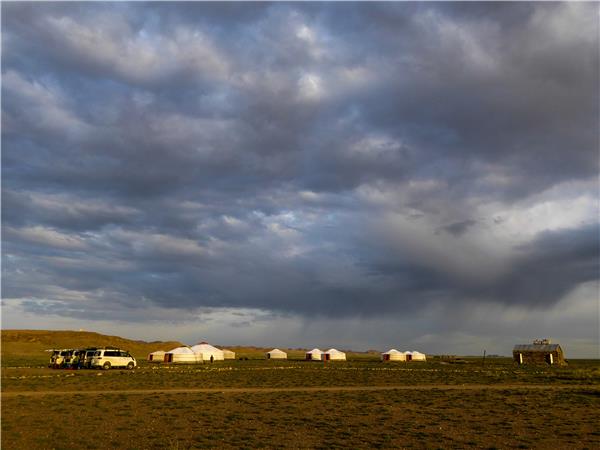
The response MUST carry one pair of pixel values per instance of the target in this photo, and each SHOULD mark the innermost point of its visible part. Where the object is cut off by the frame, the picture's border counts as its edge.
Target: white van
(112, 357)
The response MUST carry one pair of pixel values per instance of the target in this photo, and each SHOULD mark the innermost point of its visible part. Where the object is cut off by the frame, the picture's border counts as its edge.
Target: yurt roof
(157, 352)
(315, 350)
(204, 347)
(392, 350)
(275, 350)
(181, 350)
(333, 350)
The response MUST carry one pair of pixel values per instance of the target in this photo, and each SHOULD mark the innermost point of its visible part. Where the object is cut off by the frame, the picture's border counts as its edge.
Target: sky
(421, 176)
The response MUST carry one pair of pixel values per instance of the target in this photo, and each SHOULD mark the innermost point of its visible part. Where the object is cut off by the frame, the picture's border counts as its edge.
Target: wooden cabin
(542, 351)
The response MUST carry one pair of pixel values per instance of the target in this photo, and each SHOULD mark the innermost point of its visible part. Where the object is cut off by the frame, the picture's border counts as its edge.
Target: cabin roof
(536, 347)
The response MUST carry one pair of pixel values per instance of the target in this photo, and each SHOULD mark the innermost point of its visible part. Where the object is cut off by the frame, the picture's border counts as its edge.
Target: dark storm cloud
(296, 157)
(550, 266)
(459, 228)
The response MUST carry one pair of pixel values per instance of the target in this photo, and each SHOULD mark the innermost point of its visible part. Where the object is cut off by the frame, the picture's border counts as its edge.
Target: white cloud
(109, 43)
(46, 237)
(157, 245)
(472, 42)
(306, 34)
(566, 205)
(310, 87)
(75, 207)
(42, 107)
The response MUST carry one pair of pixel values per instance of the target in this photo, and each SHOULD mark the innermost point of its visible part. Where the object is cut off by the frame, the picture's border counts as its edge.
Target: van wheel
(130, 366)
(106, 365)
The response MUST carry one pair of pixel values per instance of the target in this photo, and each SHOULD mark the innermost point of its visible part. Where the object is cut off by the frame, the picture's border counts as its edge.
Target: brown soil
(445, 387)
(459, 417)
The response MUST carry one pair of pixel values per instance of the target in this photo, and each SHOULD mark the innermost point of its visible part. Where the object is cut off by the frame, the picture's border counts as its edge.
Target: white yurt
(208, 352)
(393, 355)
(313, 355)
(228, 354)
(156, 357)
(333, 355)
(182, 355)
(276, 354)
(417, 356)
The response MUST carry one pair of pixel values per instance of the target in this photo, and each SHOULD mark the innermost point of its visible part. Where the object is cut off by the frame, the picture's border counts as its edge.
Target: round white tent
(314, 355)
(417, 356)
(228, 354)
(208, 352)
(333, 355)
(393, 355)
(157, 356)
(182, 355)
(276, 354)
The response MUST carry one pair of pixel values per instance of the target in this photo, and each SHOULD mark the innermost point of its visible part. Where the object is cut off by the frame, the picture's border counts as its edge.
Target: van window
(98, 353)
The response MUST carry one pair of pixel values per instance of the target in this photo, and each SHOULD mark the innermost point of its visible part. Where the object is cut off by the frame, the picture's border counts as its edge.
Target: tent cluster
(204, 352)
(329, 355)
(191, 355)
(395, 355)
(314, 355)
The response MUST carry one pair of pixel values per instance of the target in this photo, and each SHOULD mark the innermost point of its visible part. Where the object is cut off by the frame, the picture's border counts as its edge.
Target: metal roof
(536, 347)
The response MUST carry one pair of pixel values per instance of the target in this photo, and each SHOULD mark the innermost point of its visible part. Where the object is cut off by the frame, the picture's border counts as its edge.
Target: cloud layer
(354, 160)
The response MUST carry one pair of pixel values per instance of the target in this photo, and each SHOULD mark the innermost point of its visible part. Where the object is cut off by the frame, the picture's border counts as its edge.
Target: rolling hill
(30, 345)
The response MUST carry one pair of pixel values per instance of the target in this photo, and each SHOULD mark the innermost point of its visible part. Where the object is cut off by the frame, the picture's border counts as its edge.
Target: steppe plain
(361, 403)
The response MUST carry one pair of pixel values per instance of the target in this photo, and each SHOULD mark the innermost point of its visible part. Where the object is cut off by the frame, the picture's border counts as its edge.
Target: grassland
(361, 403)
(408, 419)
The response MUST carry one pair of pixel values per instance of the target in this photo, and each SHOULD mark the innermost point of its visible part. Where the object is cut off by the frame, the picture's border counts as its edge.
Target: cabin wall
(536, 357)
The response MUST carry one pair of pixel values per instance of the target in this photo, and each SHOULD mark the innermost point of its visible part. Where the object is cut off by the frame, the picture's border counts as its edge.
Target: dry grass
(408, 419)
(296, 373)
(563, 415)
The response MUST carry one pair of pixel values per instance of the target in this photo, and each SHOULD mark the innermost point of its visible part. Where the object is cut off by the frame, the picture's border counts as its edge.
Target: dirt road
(259, 390)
